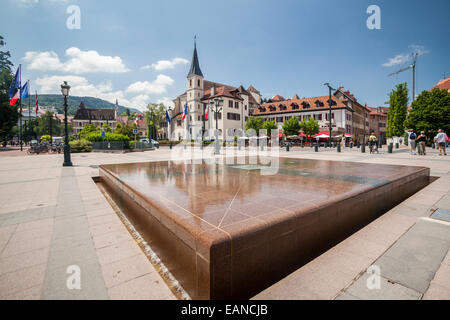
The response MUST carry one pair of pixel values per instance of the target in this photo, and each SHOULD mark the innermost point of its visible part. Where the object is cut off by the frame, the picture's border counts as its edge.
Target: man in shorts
(412, 141)
(440, 139)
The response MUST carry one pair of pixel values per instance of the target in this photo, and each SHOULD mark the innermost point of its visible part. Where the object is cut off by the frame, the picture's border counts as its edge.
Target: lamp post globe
(65, 88)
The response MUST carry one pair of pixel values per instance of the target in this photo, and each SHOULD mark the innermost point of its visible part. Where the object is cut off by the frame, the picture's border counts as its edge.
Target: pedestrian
(421, 140)
(373, 142)
(412, 141)
(440, 139)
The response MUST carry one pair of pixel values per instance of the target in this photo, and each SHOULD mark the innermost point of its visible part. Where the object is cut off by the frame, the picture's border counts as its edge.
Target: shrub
(81, 145)
(109, 137)
(46, 137)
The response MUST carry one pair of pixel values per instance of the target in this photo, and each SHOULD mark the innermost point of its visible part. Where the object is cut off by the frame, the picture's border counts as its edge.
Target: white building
(237, 103)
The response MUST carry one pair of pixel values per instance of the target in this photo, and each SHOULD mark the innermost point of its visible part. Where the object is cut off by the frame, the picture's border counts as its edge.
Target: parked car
(154, 142)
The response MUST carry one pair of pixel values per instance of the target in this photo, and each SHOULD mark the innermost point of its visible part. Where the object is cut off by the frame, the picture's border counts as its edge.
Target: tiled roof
(443, 84)
(278, 98)
(253, 89)
(94, 114)
(295, 105)
(223, 91)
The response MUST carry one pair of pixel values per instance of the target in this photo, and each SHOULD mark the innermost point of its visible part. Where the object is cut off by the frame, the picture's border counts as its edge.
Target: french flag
(185, 112)
(14, 98)
(207, 111)
(37, 104)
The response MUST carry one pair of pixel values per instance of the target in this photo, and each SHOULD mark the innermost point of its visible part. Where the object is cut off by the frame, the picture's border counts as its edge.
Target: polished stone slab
(229, 230)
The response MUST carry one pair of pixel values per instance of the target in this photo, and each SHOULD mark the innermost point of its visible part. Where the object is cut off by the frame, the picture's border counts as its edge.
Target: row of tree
(429, 112)
(291, 127)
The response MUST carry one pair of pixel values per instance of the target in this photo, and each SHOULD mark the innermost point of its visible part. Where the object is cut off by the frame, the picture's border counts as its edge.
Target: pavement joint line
(435, 221)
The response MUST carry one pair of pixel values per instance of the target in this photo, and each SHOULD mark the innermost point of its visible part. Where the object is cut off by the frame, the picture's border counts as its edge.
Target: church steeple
(195, 66)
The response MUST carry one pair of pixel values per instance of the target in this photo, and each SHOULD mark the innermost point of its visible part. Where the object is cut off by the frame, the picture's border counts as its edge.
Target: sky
(139, 51)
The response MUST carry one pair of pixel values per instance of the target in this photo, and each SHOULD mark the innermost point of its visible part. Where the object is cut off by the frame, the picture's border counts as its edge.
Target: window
(279, 119)
(190, 83)
(198, 82)
(233, 116)
(245, 107)
(236, 105)
(198, 118)
(332, 115)
(320, 117)
(215, 116)
(230, 104)
(246, 118)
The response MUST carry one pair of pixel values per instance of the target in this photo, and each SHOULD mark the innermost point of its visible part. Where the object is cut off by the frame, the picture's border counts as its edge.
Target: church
(238, 105)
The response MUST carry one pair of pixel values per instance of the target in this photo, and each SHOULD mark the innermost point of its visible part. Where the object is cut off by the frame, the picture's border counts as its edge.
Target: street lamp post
(65, 92)
(217, 104)
(329, 104)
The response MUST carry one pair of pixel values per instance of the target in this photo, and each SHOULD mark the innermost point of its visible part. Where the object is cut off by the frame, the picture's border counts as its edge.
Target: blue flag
(15, 83)
(167, 116)
(26, 90)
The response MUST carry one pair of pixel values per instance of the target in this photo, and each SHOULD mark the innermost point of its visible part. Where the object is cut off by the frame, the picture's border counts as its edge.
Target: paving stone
(387, 291)
(23, 260)
(92, 285)
(126, 269)
(20, 280)
(137, 289)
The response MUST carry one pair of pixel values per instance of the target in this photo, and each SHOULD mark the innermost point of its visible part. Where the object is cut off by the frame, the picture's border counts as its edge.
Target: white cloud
(79, 62)
(157, 86)
(166, 101)
(165, 64)
(403, 58)
(27, 3)
(80, 86)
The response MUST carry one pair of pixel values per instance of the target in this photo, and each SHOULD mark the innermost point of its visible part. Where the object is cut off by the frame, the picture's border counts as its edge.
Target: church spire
(195, 66)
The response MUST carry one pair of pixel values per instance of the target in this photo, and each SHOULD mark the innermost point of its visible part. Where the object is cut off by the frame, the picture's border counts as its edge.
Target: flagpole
(20, 108)
(29, 113)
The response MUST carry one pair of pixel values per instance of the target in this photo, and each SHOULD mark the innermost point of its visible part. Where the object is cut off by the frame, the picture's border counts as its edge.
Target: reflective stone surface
(225, 228)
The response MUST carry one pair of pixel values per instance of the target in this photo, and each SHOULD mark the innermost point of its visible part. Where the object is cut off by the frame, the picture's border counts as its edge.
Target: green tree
(430, 112)
(398, 104)
(126, 129)
(88, 129)
(269, 126)
(45, 127)
(254, 123)
(156, 113)
(127, 112)
(310, 127)
(291, 126)
(105, 127)
(9, 115)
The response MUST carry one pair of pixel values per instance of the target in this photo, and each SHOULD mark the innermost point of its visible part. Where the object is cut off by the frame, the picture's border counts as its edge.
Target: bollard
(316, 148)
(358, 144)
(396, 145)
(338, 148)
(185, 146)
(433, 146)
(351, 145)
(170, 146)
(390, 147)
(363, 148)
(287, 147)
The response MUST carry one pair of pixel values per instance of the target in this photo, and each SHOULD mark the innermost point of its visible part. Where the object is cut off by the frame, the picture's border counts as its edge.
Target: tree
(291, 126)
(398, 102)
(105, 127)
(9, 115)
(155, 114)
(430, 112)
(127, 112)
(310, 127)
(88, 129)
(269, 126)
(254, 123)
(45, 127)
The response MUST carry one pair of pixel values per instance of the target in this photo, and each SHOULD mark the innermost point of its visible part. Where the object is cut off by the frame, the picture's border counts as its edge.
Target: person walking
(412, 141)
(440, 139)
(421, 140)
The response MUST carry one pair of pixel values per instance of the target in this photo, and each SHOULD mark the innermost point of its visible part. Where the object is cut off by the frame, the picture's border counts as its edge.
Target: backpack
(412, 136)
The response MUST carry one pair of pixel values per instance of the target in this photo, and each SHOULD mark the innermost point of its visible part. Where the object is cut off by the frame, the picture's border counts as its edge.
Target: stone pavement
(54, 218)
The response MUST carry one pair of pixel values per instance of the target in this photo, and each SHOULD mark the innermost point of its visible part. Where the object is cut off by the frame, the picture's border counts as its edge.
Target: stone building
(97, 117)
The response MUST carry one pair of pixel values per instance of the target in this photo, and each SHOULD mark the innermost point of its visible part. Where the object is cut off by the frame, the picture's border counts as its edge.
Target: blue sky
(280, 47)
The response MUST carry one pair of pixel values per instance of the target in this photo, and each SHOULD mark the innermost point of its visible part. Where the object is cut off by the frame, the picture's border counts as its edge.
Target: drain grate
(441, 214)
